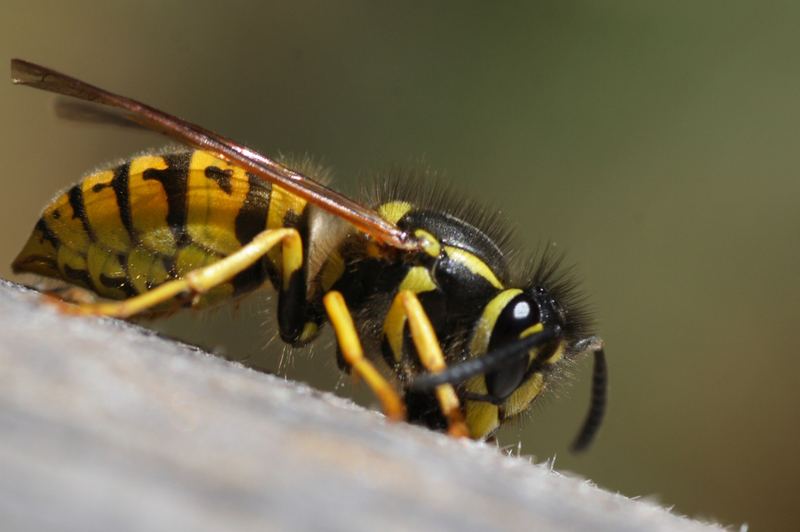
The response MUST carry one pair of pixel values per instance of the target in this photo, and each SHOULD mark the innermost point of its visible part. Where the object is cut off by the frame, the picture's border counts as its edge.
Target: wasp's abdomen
(125, 230)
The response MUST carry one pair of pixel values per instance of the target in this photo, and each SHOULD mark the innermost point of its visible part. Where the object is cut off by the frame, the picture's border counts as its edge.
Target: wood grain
(107, 426)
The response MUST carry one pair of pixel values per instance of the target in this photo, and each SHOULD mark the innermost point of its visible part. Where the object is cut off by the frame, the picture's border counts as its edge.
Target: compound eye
(521, 313)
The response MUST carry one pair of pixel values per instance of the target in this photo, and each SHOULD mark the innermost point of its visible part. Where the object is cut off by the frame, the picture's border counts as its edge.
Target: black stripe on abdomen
(252, 216)
(75, 196)
(174, 178)
(119, 183)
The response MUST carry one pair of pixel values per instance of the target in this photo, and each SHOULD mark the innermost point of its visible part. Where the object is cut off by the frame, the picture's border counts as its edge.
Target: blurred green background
(656, 142)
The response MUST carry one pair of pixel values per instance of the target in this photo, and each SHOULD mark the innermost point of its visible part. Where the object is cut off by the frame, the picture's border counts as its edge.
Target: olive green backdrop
(656, 142)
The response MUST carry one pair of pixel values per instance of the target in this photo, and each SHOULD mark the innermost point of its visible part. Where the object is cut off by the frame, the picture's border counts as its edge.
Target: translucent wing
(367, 220)
(83, 112)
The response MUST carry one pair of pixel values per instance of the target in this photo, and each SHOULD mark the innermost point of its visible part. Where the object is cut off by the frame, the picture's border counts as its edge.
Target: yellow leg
(353, 354)
(430, 354)
(200, 281)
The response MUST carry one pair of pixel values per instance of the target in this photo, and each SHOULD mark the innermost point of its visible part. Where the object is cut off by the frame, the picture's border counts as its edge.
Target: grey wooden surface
(106, 426)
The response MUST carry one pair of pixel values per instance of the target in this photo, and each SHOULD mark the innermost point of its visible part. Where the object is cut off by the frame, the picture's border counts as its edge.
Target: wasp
(428, 305)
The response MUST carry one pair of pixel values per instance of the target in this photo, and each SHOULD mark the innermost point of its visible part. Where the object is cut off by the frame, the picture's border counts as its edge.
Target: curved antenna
(599, 401)
(367, 220)
(458, 373)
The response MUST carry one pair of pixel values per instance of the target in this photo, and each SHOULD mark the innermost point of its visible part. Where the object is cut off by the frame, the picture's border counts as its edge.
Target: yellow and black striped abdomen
(125, 230)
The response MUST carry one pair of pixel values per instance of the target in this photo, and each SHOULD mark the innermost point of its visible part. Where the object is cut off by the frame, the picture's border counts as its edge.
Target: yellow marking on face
(61, 219)
(483, 331)
(149, 206)
(477, 385)
(211, 211)
(103, 212)
(524, 395)
(429, 244)
(537, 328)
(482, 419)
(533, 329)
(474, 264)
(394, 210)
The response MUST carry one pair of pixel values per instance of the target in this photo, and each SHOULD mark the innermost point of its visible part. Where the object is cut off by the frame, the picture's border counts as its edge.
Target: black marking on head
(222, 178)
(120, 183)
(174, 178)
(252, 216)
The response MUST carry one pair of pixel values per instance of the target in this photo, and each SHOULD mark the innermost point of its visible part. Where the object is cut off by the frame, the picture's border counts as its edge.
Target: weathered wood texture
(106, 426)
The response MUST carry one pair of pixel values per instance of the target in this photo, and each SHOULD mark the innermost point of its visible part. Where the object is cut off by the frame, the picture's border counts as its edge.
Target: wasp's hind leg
(198, 282)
